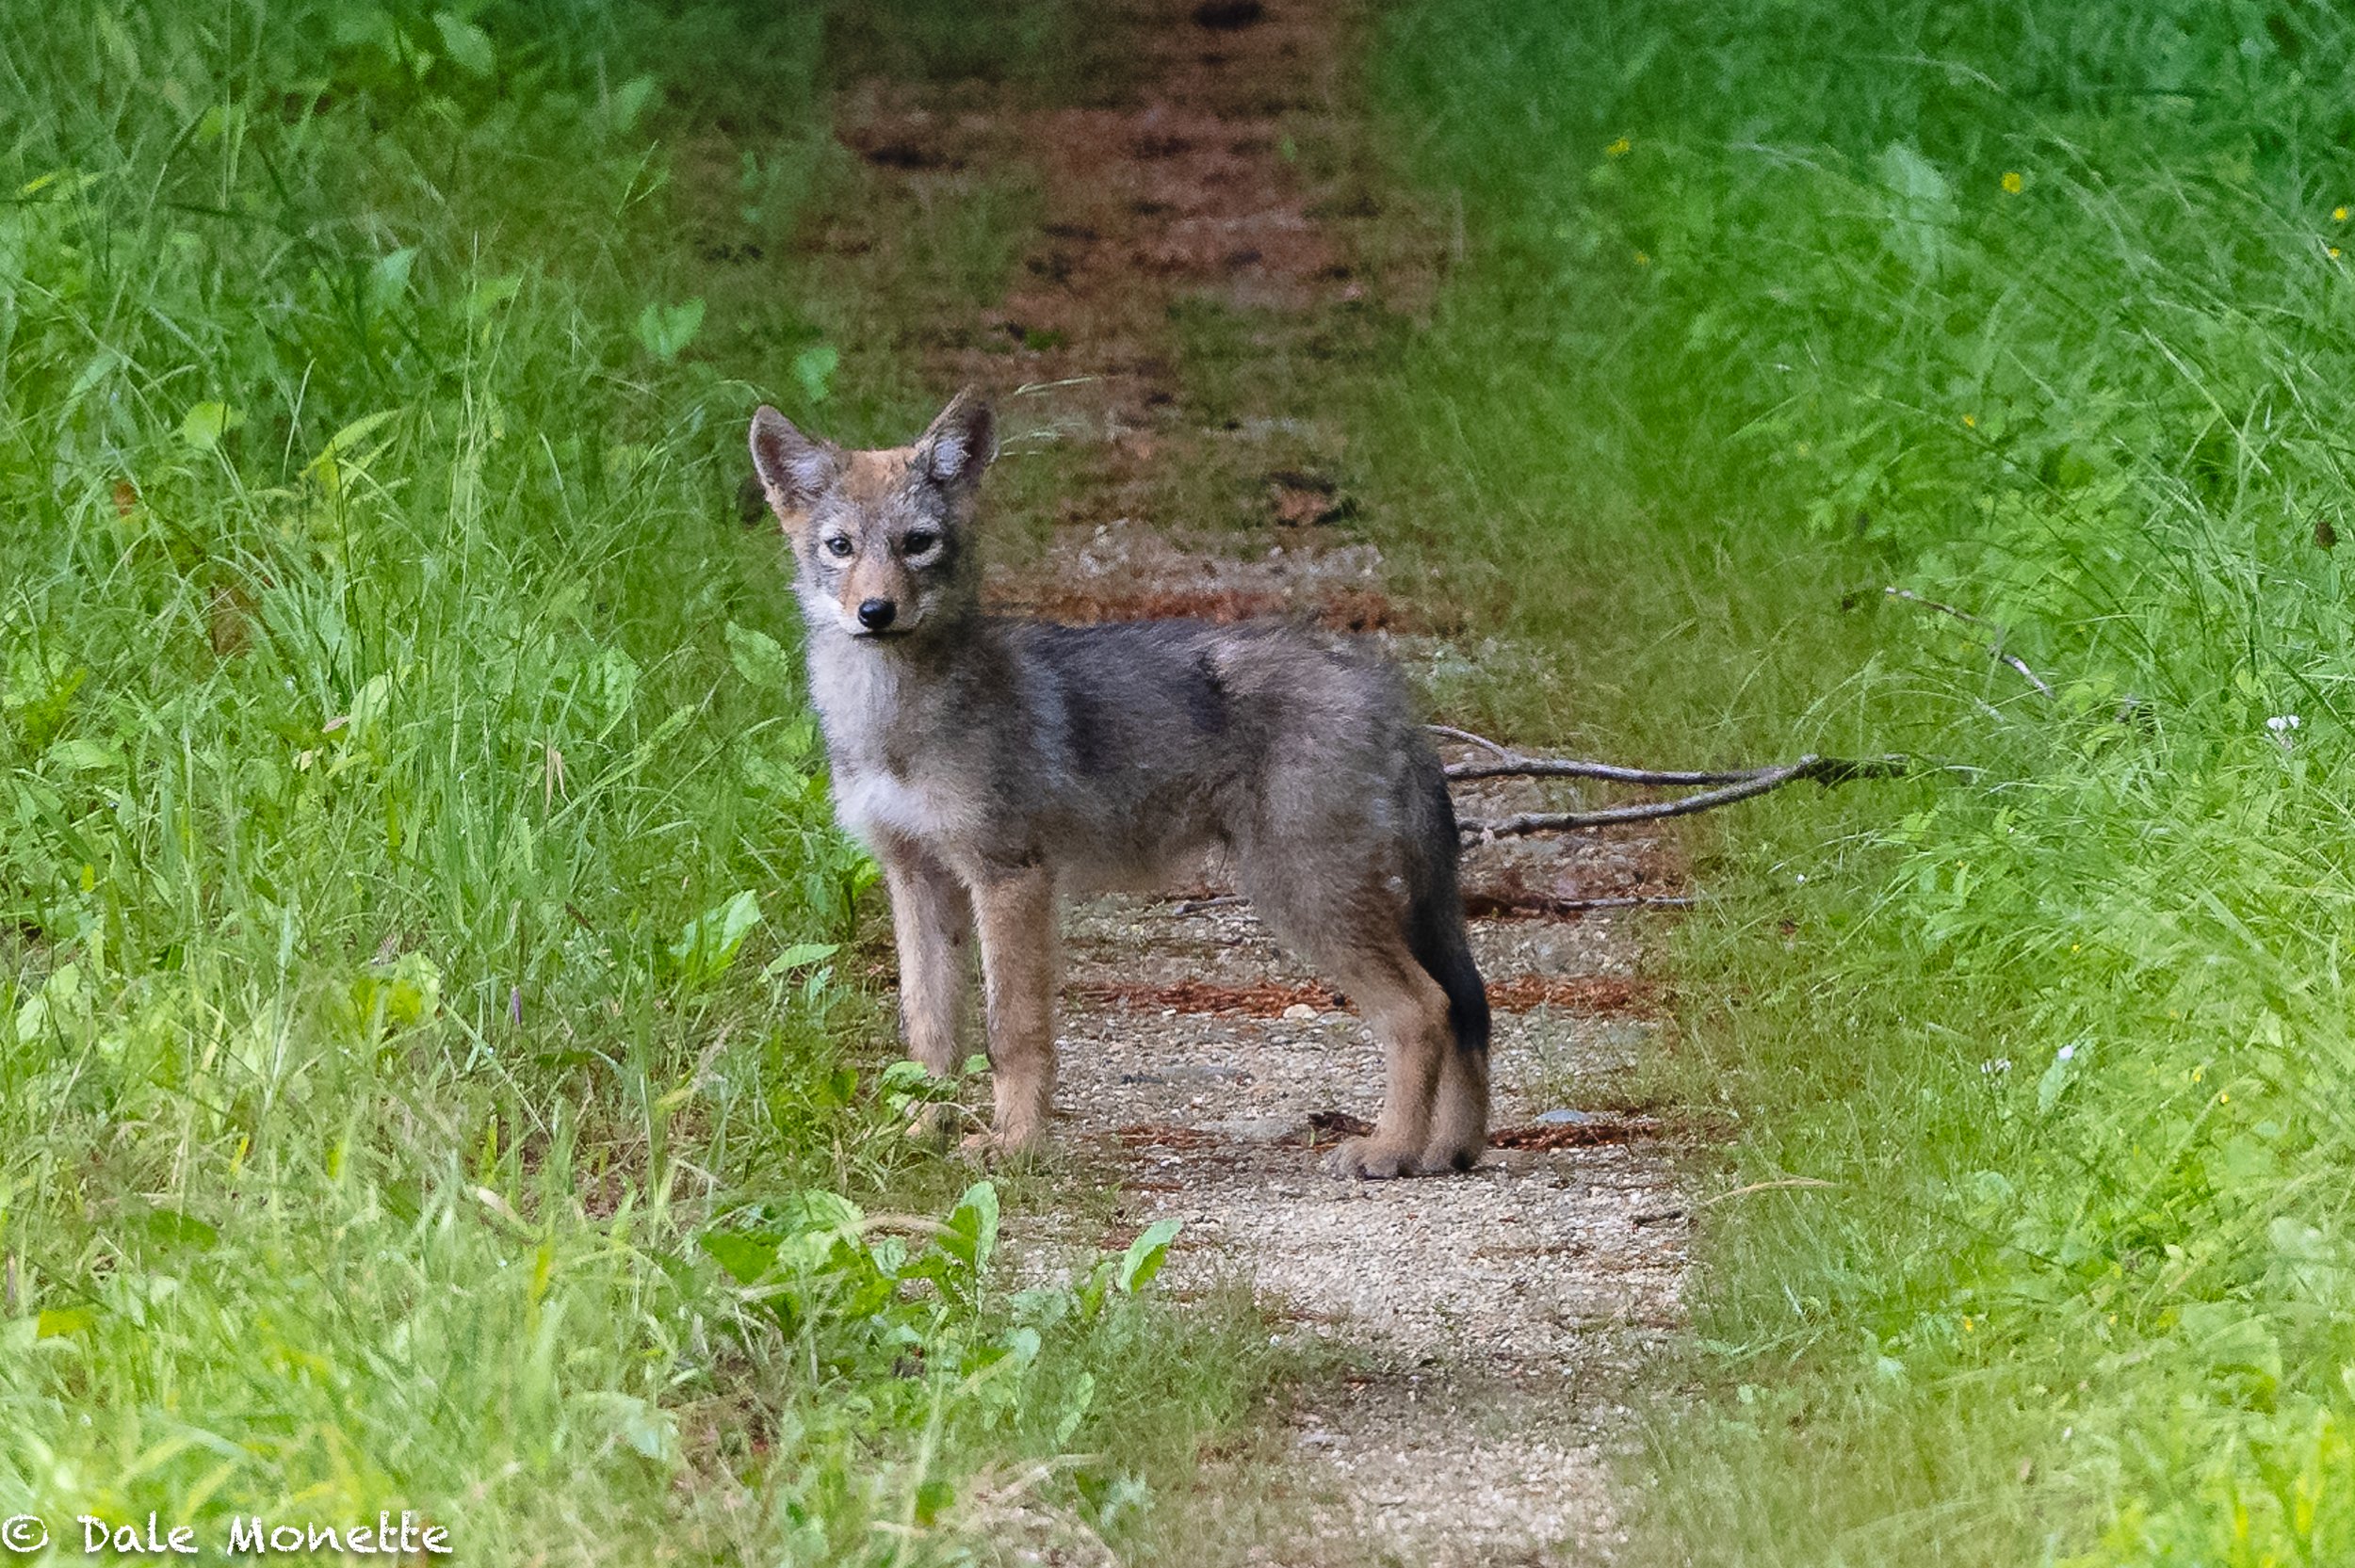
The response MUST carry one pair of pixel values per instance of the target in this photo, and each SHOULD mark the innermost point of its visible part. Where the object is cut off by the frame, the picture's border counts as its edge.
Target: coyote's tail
(1435, 926)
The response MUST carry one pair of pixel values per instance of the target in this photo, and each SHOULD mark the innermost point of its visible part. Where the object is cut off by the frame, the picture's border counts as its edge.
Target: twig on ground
(1995, 649)
(1545, 906)
(1188, 906)
(1466, 736)
(1826, 771)
(1661, 1215)
(1515, 764)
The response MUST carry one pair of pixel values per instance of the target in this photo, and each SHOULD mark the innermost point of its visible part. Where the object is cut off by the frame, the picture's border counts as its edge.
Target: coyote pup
(994, 764)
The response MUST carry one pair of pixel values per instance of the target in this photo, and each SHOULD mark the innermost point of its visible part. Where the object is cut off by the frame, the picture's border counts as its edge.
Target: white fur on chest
(864, 702)
(878, 803)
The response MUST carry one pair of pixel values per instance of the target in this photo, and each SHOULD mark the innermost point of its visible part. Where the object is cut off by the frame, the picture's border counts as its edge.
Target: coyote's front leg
(1016, 913)
(932, 918)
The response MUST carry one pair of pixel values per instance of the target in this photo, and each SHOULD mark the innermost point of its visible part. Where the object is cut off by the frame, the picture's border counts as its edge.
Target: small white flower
(2281, 722)
(2066, 1052)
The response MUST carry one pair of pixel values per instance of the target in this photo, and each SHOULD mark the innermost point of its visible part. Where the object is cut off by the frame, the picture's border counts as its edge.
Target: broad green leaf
(469, 46)
(335, 461)
(353, 26)
(1921, 205)
(800, 955)
(648, 1430)
(974, 1224)
(628, 101)
(759, 658)
(388, 279)
(171, 1228)
(958, 1255)
(83, 756)
(57, 1322)
(745, 1254)
(666, 329)
(401, 995)
(489, 293)
(707, 946)
(204, 424)
(814, 368)
(1146, 1254)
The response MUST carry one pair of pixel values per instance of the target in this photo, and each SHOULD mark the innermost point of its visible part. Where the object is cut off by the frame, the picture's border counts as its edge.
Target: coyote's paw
(936, 1124)
(993, 1150)
(1370, 1160)
(1450, 1154)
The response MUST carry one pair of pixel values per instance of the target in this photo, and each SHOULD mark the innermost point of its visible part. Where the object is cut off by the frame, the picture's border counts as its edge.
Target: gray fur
(972, 751)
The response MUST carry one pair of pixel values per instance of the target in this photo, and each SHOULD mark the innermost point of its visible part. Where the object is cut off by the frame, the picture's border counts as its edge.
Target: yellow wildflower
(2012, 182)
(1970, 421)
(1642, 260)
(2338, 215)
(1619, 149)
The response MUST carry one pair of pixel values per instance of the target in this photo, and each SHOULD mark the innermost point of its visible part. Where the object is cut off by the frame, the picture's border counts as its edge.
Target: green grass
(436, 1066)
(2036, 312)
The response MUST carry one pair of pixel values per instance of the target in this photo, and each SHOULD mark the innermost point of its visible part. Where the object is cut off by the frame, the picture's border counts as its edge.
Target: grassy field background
(431, 1070)
(434, 1065)
(2037, 312)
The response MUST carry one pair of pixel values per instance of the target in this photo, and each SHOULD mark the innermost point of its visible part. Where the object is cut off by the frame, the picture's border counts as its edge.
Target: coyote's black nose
(875, 614)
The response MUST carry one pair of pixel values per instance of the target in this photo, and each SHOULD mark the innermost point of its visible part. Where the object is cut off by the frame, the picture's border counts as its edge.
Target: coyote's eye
(838, 546)
(920, 542)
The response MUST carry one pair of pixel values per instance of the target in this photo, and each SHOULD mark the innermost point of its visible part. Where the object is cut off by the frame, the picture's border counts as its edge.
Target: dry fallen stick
(1551, 906)
(1190, 906)
(1737, 784)
(1515, 765)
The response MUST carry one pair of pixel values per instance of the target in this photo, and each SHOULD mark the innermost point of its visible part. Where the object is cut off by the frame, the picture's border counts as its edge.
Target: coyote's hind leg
(1407, 1013)
(1459, 1110)
(1350, 928)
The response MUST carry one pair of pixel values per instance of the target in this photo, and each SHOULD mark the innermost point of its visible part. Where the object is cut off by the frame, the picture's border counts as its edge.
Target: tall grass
(430, 1075)
(2039, 313)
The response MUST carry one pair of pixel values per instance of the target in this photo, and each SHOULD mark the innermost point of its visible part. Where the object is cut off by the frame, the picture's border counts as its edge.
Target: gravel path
(1486, 1327)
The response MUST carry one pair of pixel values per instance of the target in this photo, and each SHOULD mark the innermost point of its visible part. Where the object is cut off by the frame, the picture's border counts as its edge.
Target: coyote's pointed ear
(960, 443)
(794, 470)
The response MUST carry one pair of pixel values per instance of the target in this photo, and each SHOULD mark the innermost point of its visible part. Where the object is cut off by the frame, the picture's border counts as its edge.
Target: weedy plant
(2039, 314)
(426, 1077)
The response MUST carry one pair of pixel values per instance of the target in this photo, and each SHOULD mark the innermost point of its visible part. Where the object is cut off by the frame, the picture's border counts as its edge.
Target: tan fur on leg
(1017, 917)
(1460, 1112)
(1407, 1013)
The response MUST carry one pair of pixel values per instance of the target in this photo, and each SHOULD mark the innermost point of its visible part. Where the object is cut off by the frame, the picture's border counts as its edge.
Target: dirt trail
(1486, 1325)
